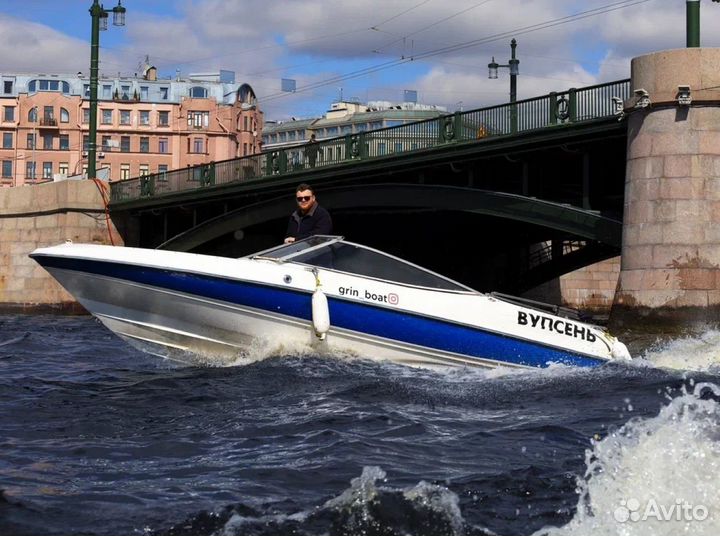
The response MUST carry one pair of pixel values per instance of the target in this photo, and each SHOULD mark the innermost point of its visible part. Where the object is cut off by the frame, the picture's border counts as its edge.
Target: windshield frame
(461, 288)
(329, 240)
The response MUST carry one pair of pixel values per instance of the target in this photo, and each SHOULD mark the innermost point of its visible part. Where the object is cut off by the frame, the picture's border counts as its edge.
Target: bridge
(523, 191)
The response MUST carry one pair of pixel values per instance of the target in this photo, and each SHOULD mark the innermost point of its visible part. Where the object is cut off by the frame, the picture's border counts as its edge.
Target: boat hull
(200, 318)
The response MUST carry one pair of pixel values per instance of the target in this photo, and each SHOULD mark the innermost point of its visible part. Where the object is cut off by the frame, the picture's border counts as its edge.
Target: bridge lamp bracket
(684, 95)
(642, 98)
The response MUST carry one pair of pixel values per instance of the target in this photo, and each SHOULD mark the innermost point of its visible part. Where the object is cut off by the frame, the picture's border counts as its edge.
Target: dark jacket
(316, 222)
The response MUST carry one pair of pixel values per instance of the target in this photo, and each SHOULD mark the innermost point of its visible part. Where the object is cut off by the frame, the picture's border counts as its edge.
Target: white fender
(320, 314)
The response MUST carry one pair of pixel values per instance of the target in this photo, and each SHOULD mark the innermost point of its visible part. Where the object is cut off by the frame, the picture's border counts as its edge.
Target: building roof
(216, 86)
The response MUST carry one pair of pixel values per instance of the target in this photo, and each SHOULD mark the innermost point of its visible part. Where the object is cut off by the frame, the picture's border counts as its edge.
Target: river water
(99, 439)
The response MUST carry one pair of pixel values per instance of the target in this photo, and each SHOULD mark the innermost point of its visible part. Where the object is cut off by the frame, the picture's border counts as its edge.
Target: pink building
(145, 125)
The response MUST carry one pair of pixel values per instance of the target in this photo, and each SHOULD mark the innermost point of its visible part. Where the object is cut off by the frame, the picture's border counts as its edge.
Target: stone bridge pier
(670, 271)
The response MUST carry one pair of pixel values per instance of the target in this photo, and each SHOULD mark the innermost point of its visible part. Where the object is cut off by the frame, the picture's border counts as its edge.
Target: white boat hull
(198, 309)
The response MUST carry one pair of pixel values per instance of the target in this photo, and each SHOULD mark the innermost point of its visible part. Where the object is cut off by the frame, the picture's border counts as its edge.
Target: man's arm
(290, 232)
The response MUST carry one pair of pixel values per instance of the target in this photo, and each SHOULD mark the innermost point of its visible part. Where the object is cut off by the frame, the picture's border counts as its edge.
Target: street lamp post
(514, 66)
(99, 17)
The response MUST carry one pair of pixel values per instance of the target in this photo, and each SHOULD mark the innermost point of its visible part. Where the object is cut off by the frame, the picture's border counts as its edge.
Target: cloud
(365, 48)
(31, 47)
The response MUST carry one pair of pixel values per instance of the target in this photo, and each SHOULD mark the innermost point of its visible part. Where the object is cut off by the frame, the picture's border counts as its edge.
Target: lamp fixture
(684, 95)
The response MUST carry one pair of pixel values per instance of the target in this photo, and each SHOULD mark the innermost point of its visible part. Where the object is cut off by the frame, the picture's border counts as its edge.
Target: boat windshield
(334, 254)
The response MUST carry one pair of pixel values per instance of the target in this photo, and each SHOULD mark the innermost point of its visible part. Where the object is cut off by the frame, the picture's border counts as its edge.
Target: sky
(366, 50)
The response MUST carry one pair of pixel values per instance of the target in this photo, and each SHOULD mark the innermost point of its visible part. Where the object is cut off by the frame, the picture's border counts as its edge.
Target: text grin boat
(322, 290)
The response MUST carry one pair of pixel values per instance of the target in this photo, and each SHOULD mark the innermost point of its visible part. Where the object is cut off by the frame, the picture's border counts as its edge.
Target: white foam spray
(695, 353)
(655, 476)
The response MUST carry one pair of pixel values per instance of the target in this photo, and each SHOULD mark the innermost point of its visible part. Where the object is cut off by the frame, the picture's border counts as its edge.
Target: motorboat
(325, 292)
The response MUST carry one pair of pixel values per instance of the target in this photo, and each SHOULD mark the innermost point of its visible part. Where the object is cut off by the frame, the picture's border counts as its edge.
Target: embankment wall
(44, 215)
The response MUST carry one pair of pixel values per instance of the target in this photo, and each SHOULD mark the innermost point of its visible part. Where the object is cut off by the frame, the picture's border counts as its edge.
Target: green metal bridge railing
(570, 107)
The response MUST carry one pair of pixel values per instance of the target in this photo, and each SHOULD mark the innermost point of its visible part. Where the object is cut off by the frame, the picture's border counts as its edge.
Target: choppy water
(99, 439)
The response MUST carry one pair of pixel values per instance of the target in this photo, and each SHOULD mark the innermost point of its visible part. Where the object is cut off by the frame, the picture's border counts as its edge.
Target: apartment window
(124, 171)
(48, 115)
(144, 93)
(86, 115)
(86, 143)
(32, 115)
(291, 135)
(64, 116)
(7, 169)
(47, 141)
(106, 143)
(106, 117)
(245, 123)
(198, 145)
(163, 145)
(64, 142)
(144, 144)
(198, 92)
(245, 149)
(163, 119)
(162, 168)
(63, 168)
(50, 85)
(30, 170)
(9, 114)
(144, 117)
(144, 170)
(31, 141)
(47, 170)
(125, 92)
(124, 117)
(164, 93)
(198, 119)
(7, 86)
(86, 90)
(7, 140)
(107, 91)
(125, 144)
(282, 136)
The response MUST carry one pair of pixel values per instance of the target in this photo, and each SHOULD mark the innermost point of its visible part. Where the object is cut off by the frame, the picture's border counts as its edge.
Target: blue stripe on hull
(385, 323)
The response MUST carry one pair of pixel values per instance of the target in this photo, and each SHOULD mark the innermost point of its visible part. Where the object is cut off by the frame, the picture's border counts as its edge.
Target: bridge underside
(489, 240)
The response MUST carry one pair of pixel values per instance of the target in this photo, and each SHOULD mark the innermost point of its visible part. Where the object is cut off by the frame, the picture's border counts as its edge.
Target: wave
(367, 507)
(693, 353)
(655, 476)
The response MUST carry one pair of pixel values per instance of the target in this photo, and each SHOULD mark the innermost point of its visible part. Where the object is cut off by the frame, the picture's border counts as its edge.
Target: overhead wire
(461, 46)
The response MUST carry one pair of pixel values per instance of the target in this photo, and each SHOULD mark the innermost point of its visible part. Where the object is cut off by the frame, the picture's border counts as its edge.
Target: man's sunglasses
(303, 198)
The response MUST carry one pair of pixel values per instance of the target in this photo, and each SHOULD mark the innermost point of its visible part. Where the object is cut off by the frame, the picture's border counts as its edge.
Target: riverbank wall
(44, 215)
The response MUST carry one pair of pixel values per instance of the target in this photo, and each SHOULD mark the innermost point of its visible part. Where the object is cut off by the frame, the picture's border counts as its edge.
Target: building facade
(145, 124)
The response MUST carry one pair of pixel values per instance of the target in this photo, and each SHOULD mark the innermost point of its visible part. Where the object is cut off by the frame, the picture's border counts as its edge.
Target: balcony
(48, 122)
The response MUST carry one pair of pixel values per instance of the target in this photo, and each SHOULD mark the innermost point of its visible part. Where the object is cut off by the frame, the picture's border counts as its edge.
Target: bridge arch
(573, 220)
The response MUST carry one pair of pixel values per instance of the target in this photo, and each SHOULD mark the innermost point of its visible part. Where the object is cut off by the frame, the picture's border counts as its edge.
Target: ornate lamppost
(514, 66)
(99, 17)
